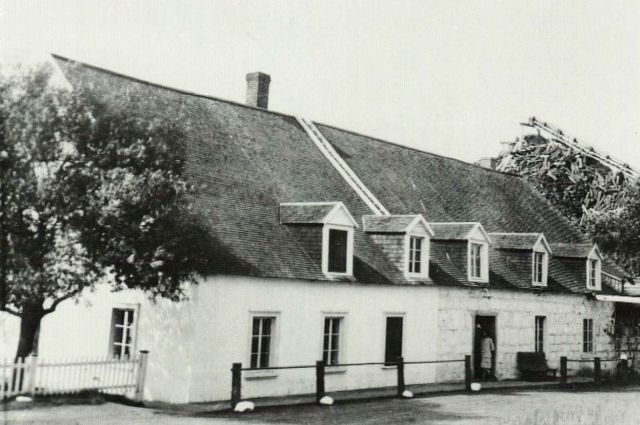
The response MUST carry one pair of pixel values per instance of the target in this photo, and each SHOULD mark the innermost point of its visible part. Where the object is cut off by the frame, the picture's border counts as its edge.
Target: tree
(93, 187)
(618, 231)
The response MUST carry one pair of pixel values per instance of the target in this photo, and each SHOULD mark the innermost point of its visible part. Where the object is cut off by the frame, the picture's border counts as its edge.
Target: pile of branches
(580, 186)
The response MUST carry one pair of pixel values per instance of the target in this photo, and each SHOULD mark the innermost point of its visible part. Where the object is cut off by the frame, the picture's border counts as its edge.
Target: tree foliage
(92, 185)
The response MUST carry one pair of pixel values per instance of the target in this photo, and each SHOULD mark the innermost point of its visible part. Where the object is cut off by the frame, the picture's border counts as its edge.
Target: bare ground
(545, 407)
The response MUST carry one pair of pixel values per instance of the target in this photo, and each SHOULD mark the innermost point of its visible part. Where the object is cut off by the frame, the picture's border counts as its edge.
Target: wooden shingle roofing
(247, 161)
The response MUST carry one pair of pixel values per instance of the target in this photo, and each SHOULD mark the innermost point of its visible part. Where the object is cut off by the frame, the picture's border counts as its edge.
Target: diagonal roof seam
(342, 167)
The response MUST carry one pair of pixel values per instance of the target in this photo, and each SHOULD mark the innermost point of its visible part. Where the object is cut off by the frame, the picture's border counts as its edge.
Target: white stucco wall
(226, 304)
(515, 316)
(81, 330)
(193, 344)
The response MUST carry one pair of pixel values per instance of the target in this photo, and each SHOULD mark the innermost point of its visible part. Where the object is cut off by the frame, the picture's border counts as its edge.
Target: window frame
(545, 268)
(325, 249)
(587, 336)
(424, 255)
(388, 364)
(484, 261)
(273, 343)
(135, 308)
(539, 333)
(341, 338)
(597, 281)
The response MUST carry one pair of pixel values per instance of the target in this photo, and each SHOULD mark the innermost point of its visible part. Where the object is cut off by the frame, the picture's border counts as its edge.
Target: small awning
(618, 299)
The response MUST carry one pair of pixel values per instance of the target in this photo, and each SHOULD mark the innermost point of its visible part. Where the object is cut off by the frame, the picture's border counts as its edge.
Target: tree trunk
(31, 317)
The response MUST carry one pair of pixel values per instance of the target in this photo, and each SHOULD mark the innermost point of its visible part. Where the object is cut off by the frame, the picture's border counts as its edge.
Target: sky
(449, 77)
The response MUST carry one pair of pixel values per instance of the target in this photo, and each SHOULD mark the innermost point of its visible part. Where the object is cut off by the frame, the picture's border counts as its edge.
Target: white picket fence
(32, 376)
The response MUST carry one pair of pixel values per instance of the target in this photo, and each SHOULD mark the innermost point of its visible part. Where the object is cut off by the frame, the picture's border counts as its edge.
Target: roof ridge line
(164, 86)
(400, 145)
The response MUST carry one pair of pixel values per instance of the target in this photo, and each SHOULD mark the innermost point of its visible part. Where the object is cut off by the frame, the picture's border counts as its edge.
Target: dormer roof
(316, 213)
(395, 223)
(519, 241)
(575, 250)
(459, 231)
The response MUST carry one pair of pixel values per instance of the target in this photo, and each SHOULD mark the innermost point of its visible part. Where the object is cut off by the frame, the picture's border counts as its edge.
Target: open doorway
(483, 324)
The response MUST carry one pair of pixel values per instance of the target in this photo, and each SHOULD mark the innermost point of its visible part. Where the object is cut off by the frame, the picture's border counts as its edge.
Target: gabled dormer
(585, 260)
(466, 244)
(527, 252)
(405, 239)
(327, 227)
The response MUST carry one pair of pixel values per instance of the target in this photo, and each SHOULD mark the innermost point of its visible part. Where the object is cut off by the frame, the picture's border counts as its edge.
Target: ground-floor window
(331, 342)
(393, 340)
(262, 330)
(122, 333)
(539, 337)
(587, 335)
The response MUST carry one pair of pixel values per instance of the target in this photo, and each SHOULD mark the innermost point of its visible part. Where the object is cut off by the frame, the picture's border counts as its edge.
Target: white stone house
(331, 245)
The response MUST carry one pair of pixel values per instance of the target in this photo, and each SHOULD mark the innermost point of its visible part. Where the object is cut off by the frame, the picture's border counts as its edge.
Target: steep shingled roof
(452, 231)
(247, 161)
(520, 241)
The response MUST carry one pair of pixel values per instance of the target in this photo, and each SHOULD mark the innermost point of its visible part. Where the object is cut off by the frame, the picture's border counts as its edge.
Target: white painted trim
(593, 255)
(424, 255)
(273, 348)
(342, 167)
(325, 250)
(420, 219)
(342, 348)
(484, 261)
(478, 226)
(339, 207)
(543, 239)
(545, 268)
(384, 334)
(618, 299)
(136, 320)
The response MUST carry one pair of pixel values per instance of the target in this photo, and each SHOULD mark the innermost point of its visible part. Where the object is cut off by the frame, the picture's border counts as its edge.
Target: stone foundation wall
(515, 327)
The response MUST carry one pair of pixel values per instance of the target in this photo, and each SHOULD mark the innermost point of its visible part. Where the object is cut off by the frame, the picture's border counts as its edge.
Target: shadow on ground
(369, 412)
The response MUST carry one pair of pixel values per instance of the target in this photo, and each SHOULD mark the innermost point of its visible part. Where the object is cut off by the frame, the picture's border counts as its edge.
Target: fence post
(142, 374)
(31, 377)
(597, 371)
(467, 372)
(563, 370)
(236, 384)
(319, 380)
(401, 386)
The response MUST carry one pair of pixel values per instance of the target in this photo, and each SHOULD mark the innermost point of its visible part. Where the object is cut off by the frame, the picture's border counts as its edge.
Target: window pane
(338, 251)
(327, 325)
(266, 326)
(118, 334)
(118, 316)
(336, 325)
(393, 342)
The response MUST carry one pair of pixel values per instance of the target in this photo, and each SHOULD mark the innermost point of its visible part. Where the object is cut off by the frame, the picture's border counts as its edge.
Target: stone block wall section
(515, 317)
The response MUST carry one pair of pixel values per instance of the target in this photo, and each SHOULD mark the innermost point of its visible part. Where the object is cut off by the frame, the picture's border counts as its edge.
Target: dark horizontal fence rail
(321, 367)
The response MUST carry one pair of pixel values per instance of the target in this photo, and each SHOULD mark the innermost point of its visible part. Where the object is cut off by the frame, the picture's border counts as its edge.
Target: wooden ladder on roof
(342, 167)
(558, 136)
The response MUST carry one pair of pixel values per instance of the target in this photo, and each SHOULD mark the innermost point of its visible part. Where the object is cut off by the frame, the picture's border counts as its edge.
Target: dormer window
(467, 247)
(416, 254)
(478, 262)
(405, 239)
(339, 250)
(539, 263)
(593, 273)
(585, 257)
(475, 264)
(327, 230)
(525, 253)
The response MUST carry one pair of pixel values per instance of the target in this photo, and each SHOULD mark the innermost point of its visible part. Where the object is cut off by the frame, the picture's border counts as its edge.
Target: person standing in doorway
(487, 347)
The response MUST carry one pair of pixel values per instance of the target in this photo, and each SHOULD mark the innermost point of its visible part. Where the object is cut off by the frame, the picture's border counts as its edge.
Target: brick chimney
(258, 89)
